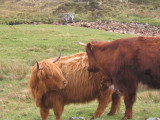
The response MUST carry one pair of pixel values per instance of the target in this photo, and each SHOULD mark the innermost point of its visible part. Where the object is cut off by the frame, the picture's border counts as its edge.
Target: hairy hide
(83, 86)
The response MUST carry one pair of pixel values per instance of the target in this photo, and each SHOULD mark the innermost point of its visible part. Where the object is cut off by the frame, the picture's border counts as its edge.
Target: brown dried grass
(13, 70)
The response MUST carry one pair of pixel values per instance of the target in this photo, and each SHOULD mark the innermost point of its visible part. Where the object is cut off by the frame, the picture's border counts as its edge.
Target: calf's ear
(90, 47)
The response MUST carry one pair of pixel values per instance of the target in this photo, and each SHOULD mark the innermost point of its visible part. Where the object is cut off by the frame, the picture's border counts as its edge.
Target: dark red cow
(127, 62)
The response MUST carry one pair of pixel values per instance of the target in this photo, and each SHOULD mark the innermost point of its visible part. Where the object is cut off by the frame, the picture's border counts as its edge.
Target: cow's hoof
(92, 118)
(124, 118)
(109, 114)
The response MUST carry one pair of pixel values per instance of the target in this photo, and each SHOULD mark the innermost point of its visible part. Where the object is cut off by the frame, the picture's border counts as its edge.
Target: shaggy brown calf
(82, 87)
(45, 77)
(127, 62)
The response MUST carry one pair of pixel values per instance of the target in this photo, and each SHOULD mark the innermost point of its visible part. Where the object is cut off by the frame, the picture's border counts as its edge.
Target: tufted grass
(17, 104)
(48, 11)
(22, 45)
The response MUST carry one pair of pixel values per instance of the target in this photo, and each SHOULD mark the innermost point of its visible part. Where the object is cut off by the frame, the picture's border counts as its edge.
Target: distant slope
(141, 11)
(28, 11)
(9, 8)
(48, 11)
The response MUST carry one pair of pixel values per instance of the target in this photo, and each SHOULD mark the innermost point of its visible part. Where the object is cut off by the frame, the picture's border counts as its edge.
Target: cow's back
(141, 55)
(149, 61)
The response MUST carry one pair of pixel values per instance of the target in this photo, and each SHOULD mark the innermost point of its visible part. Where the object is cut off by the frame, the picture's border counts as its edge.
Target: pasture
(22, 45)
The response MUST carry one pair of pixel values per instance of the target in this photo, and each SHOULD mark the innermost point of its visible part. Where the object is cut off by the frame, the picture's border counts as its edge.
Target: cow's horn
(82, 44)
(38, 66)
(56, 59)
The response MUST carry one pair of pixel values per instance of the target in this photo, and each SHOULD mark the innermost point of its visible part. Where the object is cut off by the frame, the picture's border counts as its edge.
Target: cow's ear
(90, 47)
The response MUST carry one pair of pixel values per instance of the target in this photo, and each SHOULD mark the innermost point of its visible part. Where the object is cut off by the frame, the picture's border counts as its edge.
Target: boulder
(153, 119)
(76, 118)
(68, 17)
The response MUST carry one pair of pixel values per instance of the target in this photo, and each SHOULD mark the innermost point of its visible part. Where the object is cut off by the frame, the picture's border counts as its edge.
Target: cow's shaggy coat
(127, 62)
(82, 87)
(48, 78)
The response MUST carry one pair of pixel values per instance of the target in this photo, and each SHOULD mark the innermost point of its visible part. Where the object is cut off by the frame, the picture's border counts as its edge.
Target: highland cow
(127, 62)
(82, 86)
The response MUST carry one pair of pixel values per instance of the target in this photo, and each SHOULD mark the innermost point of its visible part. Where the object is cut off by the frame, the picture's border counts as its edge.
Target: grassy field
(22, 45)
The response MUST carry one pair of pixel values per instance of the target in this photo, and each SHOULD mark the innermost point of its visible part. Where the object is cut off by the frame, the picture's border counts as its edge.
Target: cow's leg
(58, 109)
(116, 103)
(44, 113)
(129, 99)
(104, 99)
(125, 79)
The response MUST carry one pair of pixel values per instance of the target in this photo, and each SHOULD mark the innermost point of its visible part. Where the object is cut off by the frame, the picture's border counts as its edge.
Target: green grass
(17, 104)
(30, 42)
(22, 45)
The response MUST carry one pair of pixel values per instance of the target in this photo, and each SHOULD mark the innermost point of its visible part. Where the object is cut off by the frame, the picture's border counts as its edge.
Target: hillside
(48, 11)
(27, 11)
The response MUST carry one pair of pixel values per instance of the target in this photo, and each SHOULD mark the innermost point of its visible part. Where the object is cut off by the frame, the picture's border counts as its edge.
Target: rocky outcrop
(68, 17)
(124, 28)
(153, 119)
